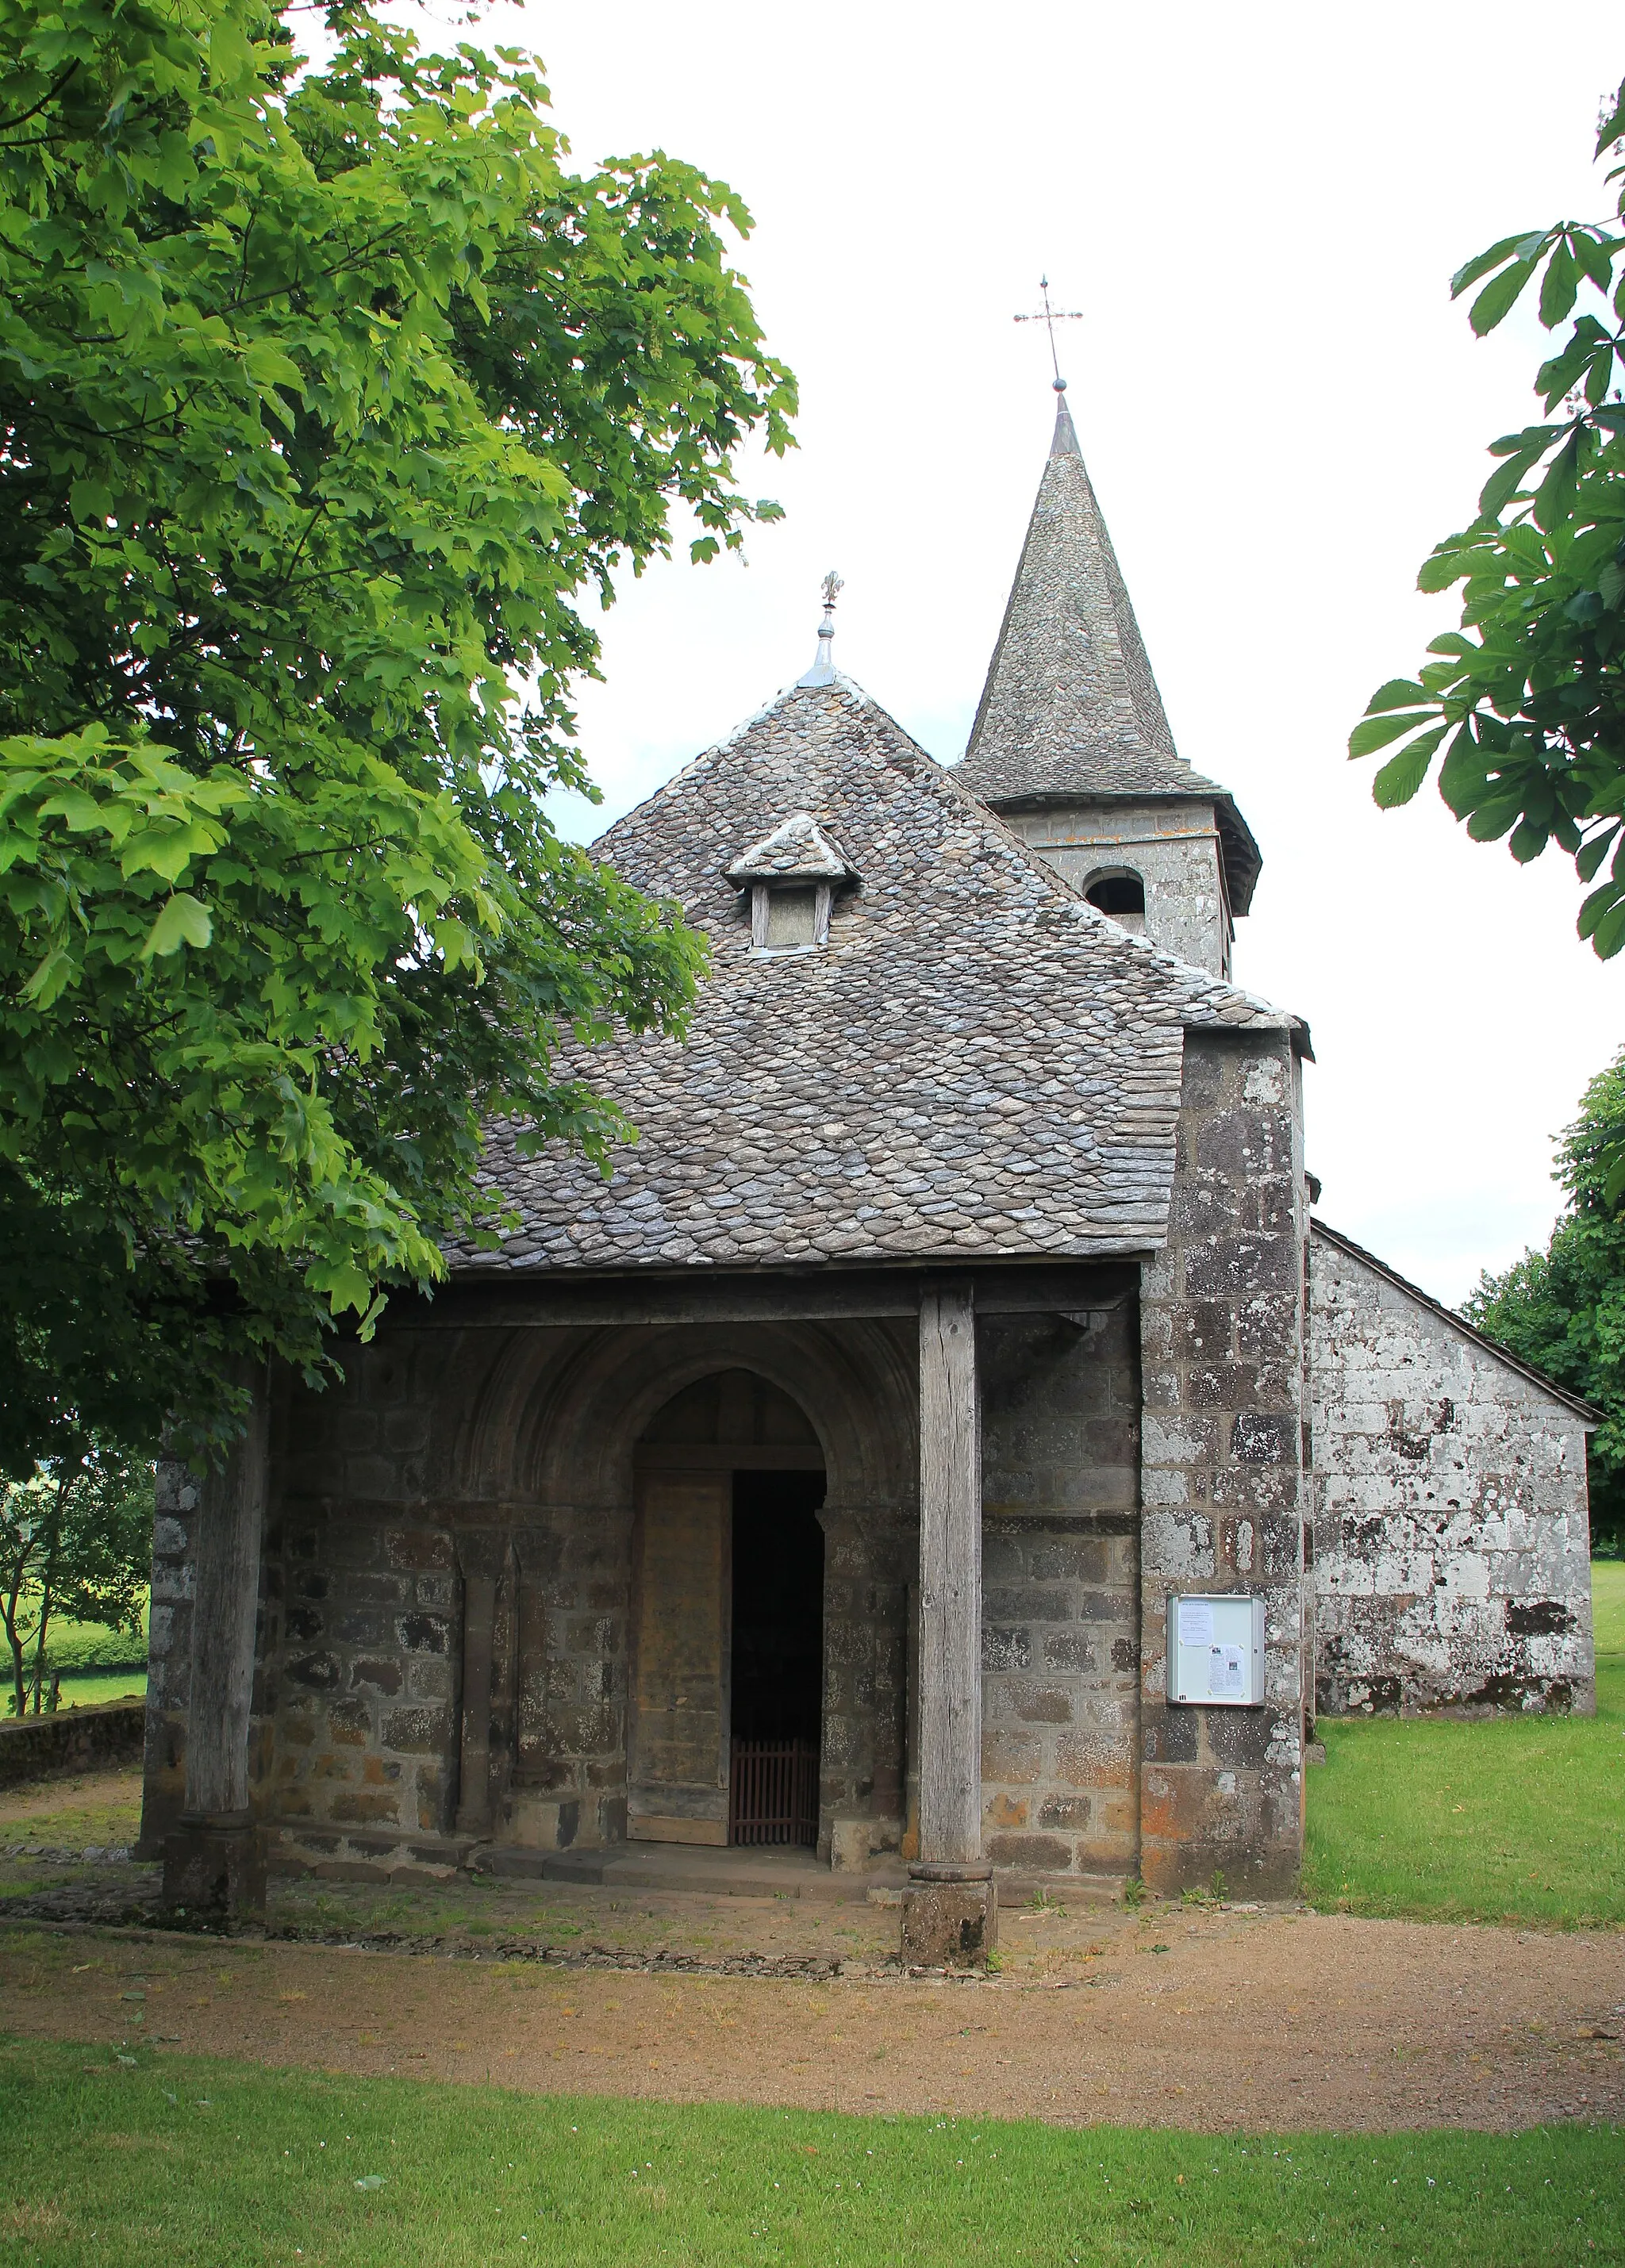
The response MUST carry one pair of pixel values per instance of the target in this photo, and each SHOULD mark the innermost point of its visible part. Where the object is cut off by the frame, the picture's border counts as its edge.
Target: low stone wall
(72, 1740)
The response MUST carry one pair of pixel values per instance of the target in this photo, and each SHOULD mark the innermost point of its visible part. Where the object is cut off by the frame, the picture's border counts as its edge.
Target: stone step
(731, 1873)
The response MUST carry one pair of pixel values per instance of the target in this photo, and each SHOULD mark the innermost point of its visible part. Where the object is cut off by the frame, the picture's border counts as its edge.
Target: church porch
(501, 1563)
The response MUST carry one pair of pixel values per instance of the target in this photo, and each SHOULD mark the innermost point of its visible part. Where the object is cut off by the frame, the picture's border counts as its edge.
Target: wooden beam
(230, 1525)
(499, 1299)
(950, 1579)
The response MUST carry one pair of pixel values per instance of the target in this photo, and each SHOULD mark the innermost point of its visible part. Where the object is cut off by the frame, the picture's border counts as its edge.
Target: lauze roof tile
(976, 1064)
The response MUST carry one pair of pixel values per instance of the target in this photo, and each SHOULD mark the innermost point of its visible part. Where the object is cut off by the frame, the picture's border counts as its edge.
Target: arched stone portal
(727, 1662)
(576, 1435)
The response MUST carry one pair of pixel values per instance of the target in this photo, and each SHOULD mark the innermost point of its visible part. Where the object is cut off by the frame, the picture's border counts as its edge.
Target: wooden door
(677, 1777)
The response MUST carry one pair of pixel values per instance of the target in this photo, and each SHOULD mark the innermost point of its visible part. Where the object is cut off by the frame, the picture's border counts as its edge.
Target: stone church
(945, 1449)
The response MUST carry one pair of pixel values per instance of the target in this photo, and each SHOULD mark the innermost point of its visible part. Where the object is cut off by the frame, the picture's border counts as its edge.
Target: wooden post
(950, 1581)
(214, 1864)
(952, 1914)
(481, 1556)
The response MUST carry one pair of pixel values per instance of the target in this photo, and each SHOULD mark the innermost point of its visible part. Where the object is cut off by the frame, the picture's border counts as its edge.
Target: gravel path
(1212, 2019)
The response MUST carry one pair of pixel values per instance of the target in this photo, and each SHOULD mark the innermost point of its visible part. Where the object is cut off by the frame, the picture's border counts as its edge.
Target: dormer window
(788, 915)
(791, 879)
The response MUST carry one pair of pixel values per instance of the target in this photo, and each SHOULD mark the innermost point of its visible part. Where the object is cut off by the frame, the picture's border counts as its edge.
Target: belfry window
(789, 881)
(1121, 894)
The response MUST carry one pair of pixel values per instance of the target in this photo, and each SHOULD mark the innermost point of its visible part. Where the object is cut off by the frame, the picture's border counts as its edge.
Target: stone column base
(214, 1870)
(950, 1916)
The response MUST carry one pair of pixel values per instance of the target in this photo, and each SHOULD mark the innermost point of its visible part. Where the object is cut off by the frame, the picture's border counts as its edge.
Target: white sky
(1258, 208)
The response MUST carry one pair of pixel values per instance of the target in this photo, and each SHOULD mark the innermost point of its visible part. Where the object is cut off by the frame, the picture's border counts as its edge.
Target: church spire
(1070, 706)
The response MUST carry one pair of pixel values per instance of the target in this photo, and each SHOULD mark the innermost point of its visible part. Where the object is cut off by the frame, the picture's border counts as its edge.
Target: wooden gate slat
(773, 1792)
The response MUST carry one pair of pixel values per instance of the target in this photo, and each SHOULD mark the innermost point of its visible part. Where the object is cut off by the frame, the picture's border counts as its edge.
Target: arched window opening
(1121, 894)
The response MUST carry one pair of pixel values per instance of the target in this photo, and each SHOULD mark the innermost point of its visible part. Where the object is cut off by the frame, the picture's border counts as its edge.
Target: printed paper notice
(1196, 1622)
(1227, 1672)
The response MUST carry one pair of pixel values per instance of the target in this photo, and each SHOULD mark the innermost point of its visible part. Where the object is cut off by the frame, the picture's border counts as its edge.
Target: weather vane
(1049, 317)
(822, 671)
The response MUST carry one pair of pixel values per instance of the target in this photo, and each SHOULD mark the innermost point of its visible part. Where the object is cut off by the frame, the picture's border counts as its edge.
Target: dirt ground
(1207, 2017)
(1222, 2021)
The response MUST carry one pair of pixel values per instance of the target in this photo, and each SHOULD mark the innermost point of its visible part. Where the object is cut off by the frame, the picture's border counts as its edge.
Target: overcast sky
(1258, 208)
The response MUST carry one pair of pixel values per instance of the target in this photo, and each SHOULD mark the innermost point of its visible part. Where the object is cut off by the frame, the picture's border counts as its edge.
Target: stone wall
(1061, 1591)
(1222, 1367)
(71, 1739)
(1451, 1567)
(443, 1454)
(1173, 846)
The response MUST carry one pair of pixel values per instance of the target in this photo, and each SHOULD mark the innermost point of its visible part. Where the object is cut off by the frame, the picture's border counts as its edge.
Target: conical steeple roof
(1070, 711)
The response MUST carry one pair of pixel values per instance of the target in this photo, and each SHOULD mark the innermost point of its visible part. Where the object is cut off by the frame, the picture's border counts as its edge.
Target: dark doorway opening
(778, 1658)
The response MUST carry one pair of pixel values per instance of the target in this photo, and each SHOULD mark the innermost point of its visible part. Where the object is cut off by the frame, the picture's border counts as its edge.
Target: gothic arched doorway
(727, 1619)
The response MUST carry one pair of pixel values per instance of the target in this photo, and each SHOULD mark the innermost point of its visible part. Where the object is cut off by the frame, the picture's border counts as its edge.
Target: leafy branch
(1527, 700)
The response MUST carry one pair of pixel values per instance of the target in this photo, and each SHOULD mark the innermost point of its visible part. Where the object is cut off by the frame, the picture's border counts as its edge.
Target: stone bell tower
(1071, 748)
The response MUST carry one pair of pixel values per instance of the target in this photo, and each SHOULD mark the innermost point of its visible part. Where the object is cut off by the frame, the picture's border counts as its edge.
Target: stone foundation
(950, 1918)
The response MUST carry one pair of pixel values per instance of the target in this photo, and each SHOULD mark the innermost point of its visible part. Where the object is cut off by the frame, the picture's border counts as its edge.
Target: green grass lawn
(73, 1647)
(120, 2164)
(1515, 1819)
(79, 1690)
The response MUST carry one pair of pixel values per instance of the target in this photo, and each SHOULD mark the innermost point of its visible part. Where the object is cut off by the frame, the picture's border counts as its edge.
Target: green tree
(1563, 1309)
(329, 394)
(76, 1540)
(1527, 699)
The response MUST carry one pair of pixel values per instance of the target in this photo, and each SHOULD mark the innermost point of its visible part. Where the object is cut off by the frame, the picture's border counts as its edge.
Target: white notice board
(1216, 1649)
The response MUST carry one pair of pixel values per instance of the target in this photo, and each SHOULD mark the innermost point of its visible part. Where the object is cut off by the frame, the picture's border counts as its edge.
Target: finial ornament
(822, 671)
(1049, 317)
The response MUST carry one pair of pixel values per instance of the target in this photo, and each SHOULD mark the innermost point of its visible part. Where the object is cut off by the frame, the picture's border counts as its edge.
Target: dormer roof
(1070, 712)
(797, 850)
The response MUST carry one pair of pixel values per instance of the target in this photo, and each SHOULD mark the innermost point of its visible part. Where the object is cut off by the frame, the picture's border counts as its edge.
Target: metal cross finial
(1049, 317)
(822, 671)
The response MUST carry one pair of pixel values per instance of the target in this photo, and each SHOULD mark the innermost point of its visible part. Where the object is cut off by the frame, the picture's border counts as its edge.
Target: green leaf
(1559, 286)
(1592, 852)
(1593, 908)
(184, 920)
(1484, 262)
(1442, 568)
(1496, 300)
(1613, 125)
(1398, 693)
(1402, 775)
(1528, 841)
(51, 979)
(1464, 774)
(1594, 250)
(1375, 732)
(1493, 819)
(1499, 490)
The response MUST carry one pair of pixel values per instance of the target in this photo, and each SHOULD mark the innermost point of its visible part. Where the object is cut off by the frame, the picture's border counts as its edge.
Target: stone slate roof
(1587, 1411)
(977, 1064)
(1070, 711)
(800, 850)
